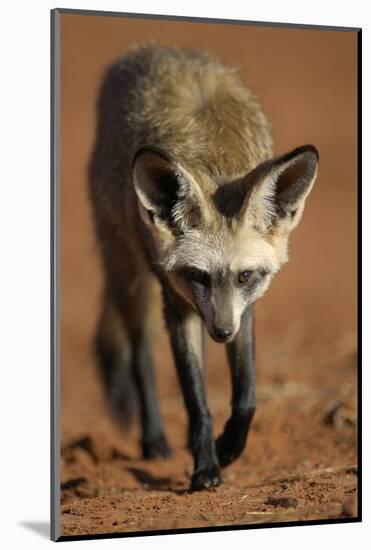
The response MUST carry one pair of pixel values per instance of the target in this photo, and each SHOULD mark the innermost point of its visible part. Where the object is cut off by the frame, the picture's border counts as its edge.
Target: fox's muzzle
(220, 321)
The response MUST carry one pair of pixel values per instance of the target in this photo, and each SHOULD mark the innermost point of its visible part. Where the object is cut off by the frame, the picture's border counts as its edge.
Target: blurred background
(306, 81)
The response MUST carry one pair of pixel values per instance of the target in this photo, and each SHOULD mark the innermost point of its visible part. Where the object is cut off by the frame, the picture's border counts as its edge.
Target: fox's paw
(207, 478)
(156, 448)
(227, 453)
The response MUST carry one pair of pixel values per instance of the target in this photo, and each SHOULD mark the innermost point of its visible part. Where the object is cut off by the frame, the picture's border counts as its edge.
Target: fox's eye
(199, 277)
(244, 277)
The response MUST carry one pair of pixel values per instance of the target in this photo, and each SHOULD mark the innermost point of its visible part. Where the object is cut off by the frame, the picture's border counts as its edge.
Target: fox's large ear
(167, 192)
(278, 188)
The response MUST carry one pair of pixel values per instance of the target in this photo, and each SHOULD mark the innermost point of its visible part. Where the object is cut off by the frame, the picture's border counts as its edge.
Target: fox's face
(219, 245)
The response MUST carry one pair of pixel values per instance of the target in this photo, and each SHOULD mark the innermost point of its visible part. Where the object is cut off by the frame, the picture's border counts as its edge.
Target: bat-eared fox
(186, 191)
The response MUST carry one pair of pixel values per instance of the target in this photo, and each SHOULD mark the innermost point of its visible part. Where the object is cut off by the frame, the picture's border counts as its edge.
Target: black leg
(124, 324)
(241, 359)
(185, 329)
(154, 442)
(113, 350)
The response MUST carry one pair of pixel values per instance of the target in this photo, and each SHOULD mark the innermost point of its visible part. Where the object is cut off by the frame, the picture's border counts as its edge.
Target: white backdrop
(25, 261)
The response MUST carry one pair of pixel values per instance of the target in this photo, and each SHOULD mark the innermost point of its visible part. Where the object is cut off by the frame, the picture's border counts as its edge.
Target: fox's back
(185, 103)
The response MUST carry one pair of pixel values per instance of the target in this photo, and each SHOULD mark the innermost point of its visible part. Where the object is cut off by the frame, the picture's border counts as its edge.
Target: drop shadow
(42, 528)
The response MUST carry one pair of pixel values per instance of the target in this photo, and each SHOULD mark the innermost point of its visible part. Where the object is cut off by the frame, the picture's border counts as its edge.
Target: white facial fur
(227, 253)
(218, 252)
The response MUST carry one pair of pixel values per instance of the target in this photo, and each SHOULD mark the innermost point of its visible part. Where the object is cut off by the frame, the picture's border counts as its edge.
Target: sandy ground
(301, 460)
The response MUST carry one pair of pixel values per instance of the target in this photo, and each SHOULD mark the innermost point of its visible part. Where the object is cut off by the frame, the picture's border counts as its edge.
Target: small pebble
(284, 502)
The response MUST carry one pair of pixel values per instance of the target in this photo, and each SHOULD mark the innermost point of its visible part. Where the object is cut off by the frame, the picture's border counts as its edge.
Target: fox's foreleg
(241, 360)
(186, 336)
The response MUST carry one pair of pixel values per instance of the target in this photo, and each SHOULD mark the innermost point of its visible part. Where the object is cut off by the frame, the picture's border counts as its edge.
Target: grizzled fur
(185, 191)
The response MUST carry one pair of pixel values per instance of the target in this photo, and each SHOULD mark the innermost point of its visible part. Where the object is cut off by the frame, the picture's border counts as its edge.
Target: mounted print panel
(205, 186)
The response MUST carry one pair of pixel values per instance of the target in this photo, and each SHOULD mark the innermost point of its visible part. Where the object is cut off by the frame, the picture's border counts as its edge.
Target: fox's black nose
(222, 334)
